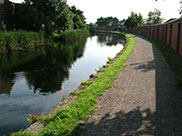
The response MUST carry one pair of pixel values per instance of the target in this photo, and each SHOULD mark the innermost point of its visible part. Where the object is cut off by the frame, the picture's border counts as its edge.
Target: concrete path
(143, 102)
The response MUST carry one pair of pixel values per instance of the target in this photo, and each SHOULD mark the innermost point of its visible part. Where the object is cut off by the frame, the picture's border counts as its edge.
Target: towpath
(143, 101)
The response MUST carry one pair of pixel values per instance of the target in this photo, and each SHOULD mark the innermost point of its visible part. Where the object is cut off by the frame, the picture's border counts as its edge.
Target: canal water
(37, 80)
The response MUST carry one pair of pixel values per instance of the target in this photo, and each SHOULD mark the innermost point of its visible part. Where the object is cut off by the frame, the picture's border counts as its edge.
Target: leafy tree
(154, 17)
(134, 20)
(31, 19)
(107, 22)
(78, 18)
(64, 18)
(48, 15)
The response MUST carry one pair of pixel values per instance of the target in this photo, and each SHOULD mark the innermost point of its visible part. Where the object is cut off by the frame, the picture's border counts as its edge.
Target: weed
(109, 58)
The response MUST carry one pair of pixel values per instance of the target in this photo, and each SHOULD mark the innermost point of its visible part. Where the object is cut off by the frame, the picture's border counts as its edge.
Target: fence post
(179, 35)
(170, 36)
(166, 34)
(158, 33)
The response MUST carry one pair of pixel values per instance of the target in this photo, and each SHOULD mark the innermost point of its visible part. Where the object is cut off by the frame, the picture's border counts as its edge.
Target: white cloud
(94, 9)
(122, 8)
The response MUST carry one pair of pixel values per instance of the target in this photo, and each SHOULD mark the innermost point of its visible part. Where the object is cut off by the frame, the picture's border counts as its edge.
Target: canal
(35, 81)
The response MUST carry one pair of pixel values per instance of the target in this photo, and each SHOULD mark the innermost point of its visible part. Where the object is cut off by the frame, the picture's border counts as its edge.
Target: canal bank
(68, 120)
(13, 41)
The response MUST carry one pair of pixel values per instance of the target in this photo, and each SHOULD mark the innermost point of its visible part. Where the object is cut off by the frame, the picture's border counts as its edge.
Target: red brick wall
(160, 34)
(170, 34)
(155, 33)
(180, 41)
(174, 37)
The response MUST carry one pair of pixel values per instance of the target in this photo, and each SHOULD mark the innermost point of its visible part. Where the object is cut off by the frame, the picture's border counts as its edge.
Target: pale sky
(121, 9)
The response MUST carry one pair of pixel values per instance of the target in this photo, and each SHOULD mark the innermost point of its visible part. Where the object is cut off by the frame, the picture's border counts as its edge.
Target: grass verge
(23, 40)
(71, 35)
(20, 40)
(67, 121)
(172, 58)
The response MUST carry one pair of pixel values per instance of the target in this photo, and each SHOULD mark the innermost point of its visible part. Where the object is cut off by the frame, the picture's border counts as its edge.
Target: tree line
(154, 17)
(47, 15)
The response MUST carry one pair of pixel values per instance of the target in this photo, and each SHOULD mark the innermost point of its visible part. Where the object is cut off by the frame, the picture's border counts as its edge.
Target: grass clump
(86, 83)
(67, 121)
(71, 35)
(20, 40)
(23, 40)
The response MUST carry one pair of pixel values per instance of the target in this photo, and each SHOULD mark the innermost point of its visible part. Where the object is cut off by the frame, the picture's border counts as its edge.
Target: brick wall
(169, 33)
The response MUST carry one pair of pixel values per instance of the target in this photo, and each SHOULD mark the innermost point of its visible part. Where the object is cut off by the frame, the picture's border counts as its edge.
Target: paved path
(143, 102)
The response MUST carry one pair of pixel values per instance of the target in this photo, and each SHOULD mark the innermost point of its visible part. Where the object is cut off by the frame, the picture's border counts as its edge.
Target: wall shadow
(165, 121)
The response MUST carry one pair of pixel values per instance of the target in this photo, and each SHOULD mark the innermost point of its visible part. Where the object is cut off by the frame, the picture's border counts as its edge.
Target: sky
(121, 9)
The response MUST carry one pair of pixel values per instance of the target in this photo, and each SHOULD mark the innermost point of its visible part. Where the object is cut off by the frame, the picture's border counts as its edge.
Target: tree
(154, 17)
(31, 19)
(78, 18)
(48, 15)
(107, 22)
(134, 20)
(64, 18)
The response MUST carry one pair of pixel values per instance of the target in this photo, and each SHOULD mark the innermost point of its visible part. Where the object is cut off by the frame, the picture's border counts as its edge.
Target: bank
(68, 120)
(11, 41)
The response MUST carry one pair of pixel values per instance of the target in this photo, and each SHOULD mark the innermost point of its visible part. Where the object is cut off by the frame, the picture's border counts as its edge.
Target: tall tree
(78, 18)
(134, 20)
(154, 17)
(49, 15)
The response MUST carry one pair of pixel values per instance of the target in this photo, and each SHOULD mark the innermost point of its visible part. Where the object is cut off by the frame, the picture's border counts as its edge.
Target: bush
(19, 40)
(68, 36)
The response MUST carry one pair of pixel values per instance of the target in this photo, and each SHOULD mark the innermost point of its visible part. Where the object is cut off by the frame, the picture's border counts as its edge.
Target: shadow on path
(129, 124)
(165, 121)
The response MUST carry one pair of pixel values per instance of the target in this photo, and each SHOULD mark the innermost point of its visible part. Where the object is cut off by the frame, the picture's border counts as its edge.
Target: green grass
(22, 40)
(16, 40)
(71, 35)
(172, 58)
(67, 121)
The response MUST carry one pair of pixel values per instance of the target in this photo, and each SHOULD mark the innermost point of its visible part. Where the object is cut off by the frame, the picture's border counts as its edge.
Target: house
(6, 10)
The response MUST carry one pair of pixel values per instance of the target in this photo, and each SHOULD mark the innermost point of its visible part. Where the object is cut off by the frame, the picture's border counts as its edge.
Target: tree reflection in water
(110, 40)
(45, 69)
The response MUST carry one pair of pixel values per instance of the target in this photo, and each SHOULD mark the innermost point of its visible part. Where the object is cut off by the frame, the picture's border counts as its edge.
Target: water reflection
(33, 81)
(6, 82)
(45, 69)
(53, 67)
(109, 40)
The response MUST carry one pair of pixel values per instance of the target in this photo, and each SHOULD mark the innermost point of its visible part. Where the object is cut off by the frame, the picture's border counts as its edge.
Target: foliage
(134, 20)
(66, 121)
(154, 17)
(71, 35)
(78, 18)
(91, 27)
(20, 40)
(107, 22)
(47, 15)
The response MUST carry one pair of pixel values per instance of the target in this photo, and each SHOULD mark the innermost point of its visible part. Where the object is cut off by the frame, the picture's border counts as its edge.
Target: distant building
(6, 10)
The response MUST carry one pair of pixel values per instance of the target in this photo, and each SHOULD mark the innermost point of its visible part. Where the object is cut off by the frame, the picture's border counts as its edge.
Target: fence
(169, 33)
